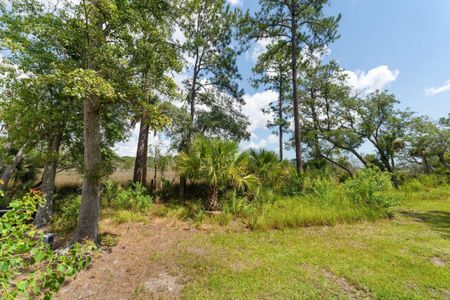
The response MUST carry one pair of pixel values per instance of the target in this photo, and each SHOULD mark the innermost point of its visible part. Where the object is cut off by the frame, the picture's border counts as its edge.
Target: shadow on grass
(439, 220)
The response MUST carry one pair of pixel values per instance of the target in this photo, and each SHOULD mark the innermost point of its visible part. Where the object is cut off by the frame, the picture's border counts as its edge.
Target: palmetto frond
(217, 163)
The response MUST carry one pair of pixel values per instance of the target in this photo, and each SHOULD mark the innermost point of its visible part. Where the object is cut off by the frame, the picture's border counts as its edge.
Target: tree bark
(338, 164)
(426, 164)
(9, 170)
(294, 54)
(155, 172)
(213, 200)
(87, 227)
(443, 161)
(48, 181)
(280, 116)
(140, 164)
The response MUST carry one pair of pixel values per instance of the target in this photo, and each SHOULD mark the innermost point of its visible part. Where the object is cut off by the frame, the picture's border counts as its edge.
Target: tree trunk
(87, 227)
(213, 200)
(338, 164)
(280, 117)
(297, 133)
(426, 164)
(140, 164)
(48, 181)
(183, 186)
(155, 171)
(9, 170)
(443, 161)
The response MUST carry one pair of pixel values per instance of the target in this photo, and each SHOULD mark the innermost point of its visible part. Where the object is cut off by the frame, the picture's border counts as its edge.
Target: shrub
(66, 219)
(218, 164)
(412, 185)
(368, 187)
(236, 206)
(134, 197)
(432, 181)
(22, 248)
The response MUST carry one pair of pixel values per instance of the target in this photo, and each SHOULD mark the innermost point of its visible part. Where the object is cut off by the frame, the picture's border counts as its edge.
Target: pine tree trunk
(48, 182)
(280, 118)
(213, 200)
(294, 56)
(155, 172)
(140, 165)
(87, 227)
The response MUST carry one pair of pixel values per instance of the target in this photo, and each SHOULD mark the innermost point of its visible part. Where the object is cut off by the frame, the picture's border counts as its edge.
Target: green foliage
(66, 219)
(307, 211)
(236, 206)
(369, 187)
(218, 164)
(133, 198)
(22, 248)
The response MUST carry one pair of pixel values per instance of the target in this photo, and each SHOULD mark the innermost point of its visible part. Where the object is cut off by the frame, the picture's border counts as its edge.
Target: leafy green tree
(427, 143)
(300, 25)
(154, 56)
(103, 80)
(218, 164)
(36, 112)
(213, 94)
(325, 94)
(272, 70)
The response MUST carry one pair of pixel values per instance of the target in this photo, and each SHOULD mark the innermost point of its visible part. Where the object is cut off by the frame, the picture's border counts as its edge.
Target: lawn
(406, 257)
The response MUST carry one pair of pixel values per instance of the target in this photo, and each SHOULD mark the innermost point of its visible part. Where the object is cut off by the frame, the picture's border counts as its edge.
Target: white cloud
(257, 143)
(235, 2)
(375, 79)
(129, 147)
(437, 90)
(253, 108)
(258, 48)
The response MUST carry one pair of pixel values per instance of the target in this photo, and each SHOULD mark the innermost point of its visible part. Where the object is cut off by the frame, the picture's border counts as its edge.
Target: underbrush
(29, 268)
(123, 205)
(306, 211)
(322, 200)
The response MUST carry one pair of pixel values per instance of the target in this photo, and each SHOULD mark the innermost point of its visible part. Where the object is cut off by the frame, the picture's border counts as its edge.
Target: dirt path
(131, 270)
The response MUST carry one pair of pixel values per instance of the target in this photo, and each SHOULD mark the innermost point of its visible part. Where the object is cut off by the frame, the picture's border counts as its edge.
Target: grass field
(71, 178)
(406, 257)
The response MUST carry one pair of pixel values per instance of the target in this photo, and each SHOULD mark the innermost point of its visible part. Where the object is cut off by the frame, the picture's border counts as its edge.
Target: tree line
(77, 77)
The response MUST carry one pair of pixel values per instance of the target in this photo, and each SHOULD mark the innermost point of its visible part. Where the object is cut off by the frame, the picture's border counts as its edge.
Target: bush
(432, 181)
(134, 197)
(369, 187)
(66, 219)
(236, 206)
(29, 268)
(412, 185)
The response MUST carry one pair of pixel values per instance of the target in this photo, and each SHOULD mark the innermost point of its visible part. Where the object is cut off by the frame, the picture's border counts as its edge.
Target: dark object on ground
(49, 238)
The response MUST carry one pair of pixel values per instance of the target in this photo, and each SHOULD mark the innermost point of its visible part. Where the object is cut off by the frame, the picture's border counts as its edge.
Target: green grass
(406, 257)
(302, 212)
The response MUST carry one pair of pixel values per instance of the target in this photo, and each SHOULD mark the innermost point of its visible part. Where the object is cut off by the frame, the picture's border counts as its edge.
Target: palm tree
(218, 164)
(262, 161)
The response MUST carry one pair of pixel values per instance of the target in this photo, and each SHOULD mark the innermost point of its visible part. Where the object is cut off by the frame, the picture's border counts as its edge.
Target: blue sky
(400, 45)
